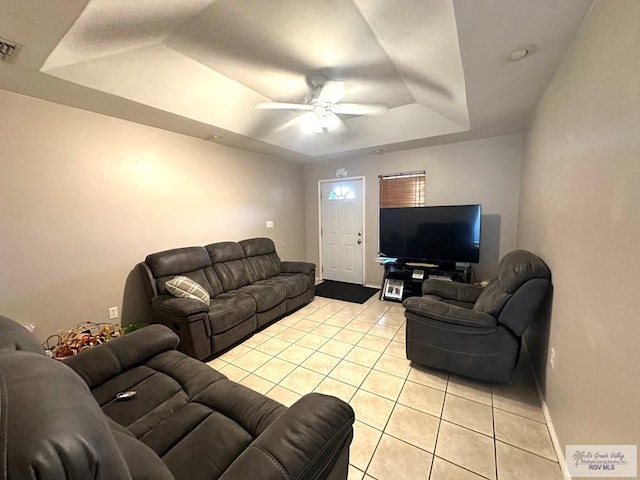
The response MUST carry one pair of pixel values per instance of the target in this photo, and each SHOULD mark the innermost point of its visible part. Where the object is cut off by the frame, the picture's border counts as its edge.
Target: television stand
(404, 279)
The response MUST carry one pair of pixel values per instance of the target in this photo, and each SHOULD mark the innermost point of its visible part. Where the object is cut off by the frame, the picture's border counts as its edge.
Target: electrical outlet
(113, 313)
(269, 223)
(552, 358)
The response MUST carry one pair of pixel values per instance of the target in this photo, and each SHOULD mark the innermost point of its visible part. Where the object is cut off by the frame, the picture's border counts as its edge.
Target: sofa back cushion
(522, 282)
(518, 267)
(229, 264)
(262, 258)
(191, 262)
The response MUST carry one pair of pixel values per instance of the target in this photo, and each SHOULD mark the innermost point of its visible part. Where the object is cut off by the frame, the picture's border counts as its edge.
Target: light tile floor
(411, 422)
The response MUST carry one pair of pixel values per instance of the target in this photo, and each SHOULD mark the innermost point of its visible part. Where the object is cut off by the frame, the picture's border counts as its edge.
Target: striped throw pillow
(184, 287)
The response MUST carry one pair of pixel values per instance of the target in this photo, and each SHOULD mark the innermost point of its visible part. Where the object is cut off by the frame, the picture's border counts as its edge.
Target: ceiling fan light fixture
(327, 123)
(310, 123)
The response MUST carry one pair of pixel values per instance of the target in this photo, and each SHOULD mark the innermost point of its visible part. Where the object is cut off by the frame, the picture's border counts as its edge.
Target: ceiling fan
(323, 106)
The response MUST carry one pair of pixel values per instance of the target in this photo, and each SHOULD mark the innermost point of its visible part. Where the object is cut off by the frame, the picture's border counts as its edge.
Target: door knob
(359, 241)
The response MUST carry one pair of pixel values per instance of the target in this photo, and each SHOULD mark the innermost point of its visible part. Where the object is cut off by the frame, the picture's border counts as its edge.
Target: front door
(341, 205)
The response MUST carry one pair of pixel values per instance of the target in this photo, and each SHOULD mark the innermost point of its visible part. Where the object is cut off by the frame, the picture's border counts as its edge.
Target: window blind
(403, 190)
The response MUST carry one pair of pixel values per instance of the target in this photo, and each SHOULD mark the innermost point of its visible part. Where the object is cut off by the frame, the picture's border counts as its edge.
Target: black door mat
(348, 292)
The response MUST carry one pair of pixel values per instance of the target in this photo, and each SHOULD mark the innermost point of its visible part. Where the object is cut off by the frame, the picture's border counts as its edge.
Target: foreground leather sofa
(62, 420)
(475, 331)
(247, 284)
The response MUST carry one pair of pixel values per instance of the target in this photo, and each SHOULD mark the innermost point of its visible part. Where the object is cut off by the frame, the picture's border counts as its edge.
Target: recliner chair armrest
(445, 312)
(179, 307)
(98, 364)
(303, 443)
(298, 267)
(462, 292)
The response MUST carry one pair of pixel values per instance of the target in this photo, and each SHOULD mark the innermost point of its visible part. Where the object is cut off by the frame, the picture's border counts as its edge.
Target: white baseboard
(547, 417)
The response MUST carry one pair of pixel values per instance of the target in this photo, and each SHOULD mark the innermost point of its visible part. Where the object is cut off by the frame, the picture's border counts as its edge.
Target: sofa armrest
(178, 307)
(305, 442)
(98, 364)
(52, 428)
(445, 312)
(461, 292)
(148, 282)
(298, 267)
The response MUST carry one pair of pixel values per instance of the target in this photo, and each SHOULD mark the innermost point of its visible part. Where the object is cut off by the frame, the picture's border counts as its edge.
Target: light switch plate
(269, 223)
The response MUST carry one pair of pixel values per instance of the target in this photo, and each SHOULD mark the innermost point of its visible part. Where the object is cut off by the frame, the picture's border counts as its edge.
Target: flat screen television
(442, 234)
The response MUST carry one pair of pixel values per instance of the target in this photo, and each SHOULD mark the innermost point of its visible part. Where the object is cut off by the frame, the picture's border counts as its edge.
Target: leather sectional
(63, 420)
(249, 287)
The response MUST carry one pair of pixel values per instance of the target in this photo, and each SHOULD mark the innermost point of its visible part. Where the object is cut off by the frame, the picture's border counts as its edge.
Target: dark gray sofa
(249, 287)
(61, 420)
(475, 331)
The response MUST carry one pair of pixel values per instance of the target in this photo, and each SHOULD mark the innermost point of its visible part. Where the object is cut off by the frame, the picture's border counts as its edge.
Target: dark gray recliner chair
(475, 331)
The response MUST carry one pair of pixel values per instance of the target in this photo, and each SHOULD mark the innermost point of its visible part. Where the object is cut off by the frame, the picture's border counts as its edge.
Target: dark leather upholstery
(476, 331)
(60, 420)
(248, 284)
(229, 264)
(262, 258)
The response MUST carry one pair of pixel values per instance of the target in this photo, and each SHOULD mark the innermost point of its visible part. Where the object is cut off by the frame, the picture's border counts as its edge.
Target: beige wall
(84, 197)
(481, 171)
(580, 210)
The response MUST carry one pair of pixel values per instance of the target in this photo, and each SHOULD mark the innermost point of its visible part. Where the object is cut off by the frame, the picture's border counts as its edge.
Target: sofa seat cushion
(230, 309)
(142, 461)
(181, 405)
(267, 296)
(447, 314)
(458, 303)
(159, 393)
(294, 284)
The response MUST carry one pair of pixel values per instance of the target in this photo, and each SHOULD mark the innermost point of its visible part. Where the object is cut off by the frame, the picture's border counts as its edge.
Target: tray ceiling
(439, 65)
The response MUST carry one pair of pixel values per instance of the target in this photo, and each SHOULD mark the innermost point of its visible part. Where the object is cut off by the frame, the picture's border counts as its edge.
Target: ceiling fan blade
(331, 92)
(359, 108)
(296, 122)
(283, 106)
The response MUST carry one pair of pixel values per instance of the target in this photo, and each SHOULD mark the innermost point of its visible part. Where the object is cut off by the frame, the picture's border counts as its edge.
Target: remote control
(126, 395)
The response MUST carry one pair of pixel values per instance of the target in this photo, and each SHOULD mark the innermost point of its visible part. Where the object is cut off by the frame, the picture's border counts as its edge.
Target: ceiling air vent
(8, 50)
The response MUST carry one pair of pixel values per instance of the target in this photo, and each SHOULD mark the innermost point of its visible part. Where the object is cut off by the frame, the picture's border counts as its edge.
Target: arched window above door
(342, 192)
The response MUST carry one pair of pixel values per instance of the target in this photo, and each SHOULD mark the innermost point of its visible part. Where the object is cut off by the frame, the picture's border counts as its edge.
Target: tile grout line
(527, 451)
(395, 404)
(495, 441)
(435, 445)
(391, 413)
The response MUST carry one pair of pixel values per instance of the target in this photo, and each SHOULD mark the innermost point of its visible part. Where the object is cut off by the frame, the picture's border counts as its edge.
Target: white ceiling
(199, 67)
